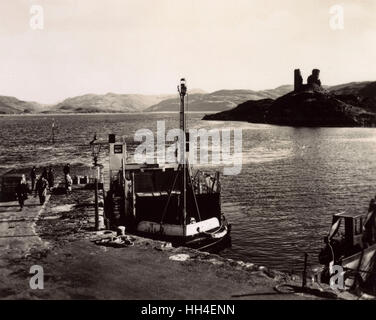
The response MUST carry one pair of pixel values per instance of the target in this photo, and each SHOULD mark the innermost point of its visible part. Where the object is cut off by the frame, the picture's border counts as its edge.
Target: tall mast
(182, 92)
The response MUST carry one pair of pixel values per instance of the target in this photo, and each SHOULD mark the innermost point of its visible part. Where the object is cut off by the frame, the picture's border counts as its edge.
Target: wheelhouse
(348, 227)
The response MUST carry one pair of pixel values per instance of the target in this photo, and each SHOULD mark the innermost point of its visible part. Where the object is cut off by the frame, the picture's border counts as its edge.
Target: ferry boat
(351, 244)
(167, 201)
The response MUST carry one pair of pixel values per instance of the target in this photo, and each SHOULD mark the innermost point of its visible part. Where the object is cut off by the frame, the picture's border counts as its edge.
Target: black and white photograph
(206, 151)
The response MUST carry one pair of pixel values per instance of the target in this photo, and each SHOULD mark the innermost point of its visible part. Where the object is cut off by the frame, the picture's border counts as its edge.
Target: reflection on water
(292, 180)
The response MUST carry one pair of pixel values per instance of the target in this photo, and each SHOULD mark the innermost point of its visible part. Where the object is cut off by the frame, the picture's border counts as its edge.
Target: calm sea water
(280, 206)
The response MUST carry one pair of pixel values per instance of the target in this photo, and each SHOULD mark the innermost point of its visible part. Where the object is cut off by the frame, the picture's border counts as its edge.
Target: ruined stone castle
(312, 81)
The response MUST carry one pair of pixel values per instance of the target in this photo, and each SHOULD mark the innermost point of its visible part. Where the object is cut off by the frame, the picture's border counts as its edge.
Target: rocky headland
(310, 105)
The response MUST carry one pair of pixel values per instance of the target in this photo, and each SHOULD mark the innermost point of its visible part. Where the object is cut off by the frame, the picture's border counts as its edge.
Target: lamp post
(95, 150)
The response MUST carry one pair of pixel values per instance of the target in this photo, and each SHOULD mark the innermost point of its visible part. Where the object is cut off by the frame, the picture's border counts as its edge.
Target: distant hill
(12, 105)
(196, 90)
(361, 94)
(109, 102)
(354, 88)
(355, 93)
(219, 100)
(350, 105)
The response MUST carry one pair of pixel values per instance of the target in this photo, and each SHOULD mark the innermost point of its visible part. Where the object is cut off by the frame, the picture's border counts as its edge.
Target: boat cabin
(147, 197)
(349, 229)
(150, 195)
(344, 239)
(350, 244)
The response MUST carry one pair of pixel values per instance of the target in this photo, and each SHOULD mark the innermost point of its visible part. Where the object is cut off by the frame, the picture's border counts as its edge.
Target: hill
(12, 105)
(219, 100)
(354, 88)
(109, 102)
(357, 94)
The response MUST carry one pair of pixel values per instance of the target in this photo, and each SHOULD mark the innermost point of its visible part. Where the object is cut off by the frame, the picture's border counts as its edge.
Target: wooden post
(96, 205)
(97, 222)
(304, 282)
(133, 196)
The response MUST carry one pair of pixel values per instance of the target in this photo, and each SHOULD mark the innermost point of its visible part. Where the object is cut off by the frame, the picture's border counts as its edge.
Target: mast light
(183, 87)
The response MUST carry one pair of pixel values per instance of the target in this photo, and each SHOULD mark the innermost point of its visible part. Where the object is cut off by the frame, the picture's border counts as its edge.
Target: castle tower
(314, 78)
(298, 80)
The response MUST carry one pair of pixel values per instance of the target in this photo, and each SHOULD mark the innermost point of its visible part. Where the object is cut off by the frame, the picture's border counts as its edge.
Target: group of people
(41, 185)
(38, 184)
(48, 175)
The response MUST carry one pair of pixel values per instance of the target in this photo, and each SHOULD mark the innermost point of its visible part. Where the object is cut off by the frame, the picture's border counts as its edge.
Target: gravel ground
(77, 267)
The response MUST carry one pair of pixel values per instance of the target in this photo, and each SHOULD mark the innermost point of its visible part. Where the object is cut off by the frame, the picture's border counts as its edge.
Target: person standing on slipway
(33, 177)
(41, 189)
(51, 178)
(66, 169)
(67, 177)
(68, 184)
(22, 189)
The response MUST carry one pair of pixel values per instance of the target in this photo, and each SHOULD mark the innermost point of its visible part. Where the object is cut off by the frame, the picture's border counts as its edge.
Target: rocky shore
(312, 106)
(80, 263)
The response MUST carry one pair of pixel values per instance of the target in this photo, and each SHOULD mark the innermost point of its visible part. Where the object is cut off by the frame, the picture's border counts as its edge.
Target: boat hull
(360, 265)
(211, 241)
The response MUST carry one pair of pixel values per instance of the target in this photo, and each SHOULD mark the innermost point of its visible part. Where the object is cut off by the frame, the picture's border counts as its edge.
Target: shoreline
(99, 113)
(76, 267)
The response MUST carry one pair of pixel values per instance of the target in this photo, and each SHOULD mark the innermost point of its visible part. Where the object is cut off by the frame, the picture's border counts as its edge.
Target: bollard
(101, 222)
(121, 231)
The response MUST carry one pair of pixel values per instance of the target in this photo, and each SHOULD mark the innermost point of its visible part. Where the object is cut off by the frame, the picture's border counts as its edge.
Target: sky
(145, 46)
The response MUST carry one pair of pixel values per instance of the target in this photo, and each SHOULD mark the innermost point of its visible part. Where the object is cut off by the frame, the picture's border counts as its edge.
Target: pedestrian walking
(41, 189)
(66, 169)
(68, 183)
(33, 177)
(45, 174)
(50, 178)
(22, 189)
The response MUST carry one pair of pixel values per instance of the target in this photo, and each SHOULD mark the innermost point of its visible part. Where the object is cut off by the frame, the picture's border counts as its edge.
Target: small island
(311, 105)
